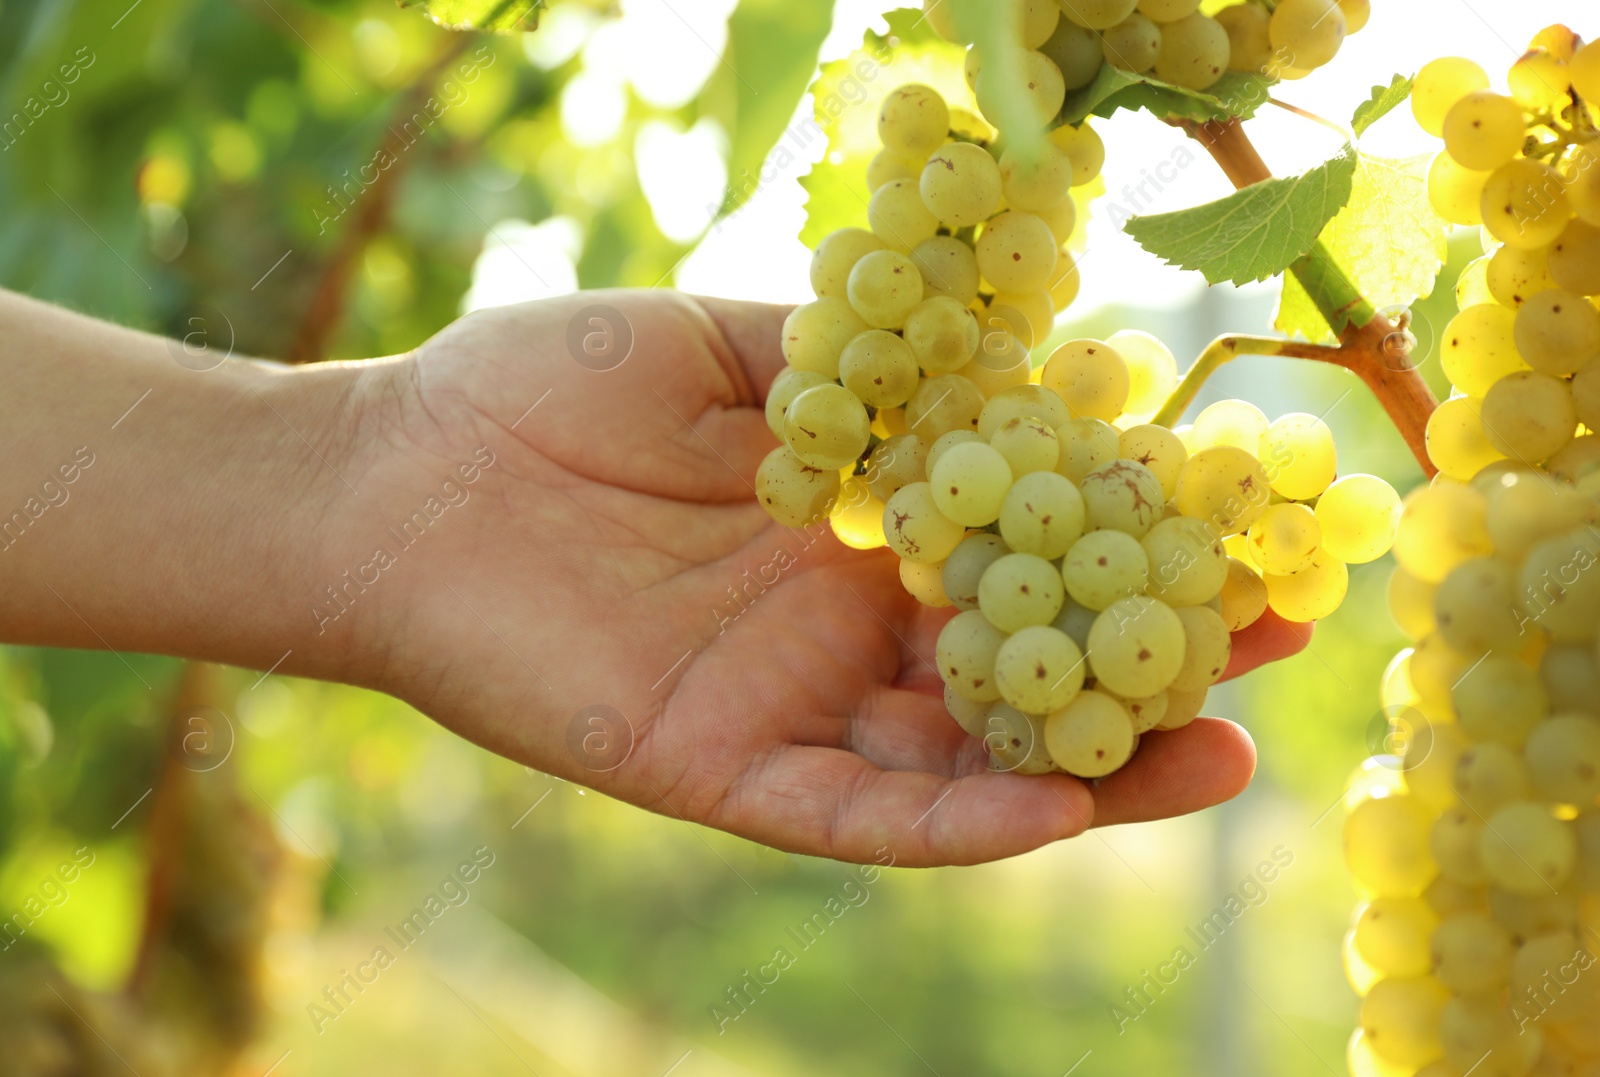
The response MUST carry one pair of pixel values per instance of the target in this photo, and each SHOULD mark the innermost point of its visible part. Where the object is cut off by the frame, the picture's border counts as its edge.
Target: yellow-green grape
(1527, 917)
(1062, 217)
(1558, 332)
(1194, 51)
(1479, 348)
(1019, 590)
(965, 653)
(1571, 996)
(793, 492)
(1439, 85)
(1031, 400)
(913, 120)
(1585, 386)
(1585, 70)
(826, 426)
(887, 166)
(1539, 81)
(1076, 621)
(969, 714)
(1028, 445)
(960, 185)
(1159, 450)
(995, 372)
(1484, 130)
(1356, 14)
(1064, 281)
(1476, 607)
(1583, 183)
(1570, 677)
(1411, 603)
(1207, 648)
(1188, 563)
(1456, 192)
(948, 268)
(940, 16)
(1043, 514)
(1563, 756)
(1085, 445)
(1574, 259)
(1040, 669)
(1525, 204)
(1472, 287)
(789, 384)
(1386, 846)
(814, 335)
(1529, 416)
(941, 335)
(1090, 376)
(1286, 539)
(1224, 486)
(1123, 495)
(835, 256)
(1230, 422)
(857, 518)
(1457, 845)
(1039, 19)
(1248, 27)
(1152, 372)
(1017, 252)
(1182, 708)
(1471, 953)
(1133, 44)
(1440, 527)
(1452, 899)
(1043, 88)
(1075, 50)
(925, 583)
(1146, 713)
(945, 443)
(1090, 737)
(1310, 31)
(897, 215)
(1527, 849)
(1558, 40)
(1393, 935)
(1310, 594)
(1482, 1035)
(1436, 668)
(1084, 146)
(916, 529)
(1103, 567)
(1581, 457)
(1136, 646)
(884, 287)
(970, 483)
(965, 566)
(1489, 776)
(1098, 14)
(942, 404)
(1298, 453)
(1559, 589)
(1431, 755)
(879, 367)
(1031, 315)
(1499, 700)
(1168, 10)
(1244, 596)
(1038, 184)
(895, 463)
(1515, 274)
(1457, 443)
(1015, 741)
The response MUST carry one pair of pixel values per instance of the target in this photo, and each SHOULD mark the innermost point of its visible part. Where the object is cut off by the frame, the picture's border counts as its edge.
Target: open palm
(611, 605)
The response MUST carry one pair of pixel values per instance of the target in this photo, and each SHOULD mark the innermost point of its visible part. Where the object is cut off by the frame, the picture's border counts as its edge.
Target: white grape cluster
(1065, 43)
(1524, 351)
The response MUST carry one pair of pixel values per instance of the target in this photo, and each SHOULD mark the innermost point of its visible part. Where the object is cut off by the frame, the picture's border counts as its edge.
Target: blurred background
(209, 871)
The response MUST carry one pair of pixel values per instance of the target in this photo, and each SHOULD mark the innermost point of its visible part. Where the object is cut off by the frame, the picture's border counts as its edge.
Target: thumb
(755, 333)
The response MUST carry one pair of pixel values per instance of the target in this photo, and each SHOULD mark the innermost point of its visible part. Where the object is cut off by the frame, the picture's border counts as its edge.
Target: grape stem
(1344, 132)
(1373, 346)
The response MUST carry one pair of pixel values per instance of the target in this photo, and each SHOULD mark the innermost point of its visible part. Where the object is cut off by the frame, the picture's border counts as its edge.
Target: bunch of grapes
(1067, 42)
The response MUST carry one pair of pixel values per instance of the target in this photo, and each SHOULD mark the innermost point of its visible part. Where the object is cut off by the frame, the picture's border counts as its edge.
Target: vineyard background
(181, 183)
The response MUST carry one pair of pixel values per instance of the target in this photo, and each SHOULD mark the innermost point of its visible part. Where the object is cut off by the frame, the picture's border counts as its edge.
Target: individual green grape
(1563, 756)
(1230, 422)
(1182, 708)
(1476, 607)
(1104, 567)
(941, 336)
(1393, 935)
(1085, 147)
(1136, 646)
(1457, 846)
(941, 404)
(1570, 676)
(1194, 51)
(1456, 192)
(913, 120)
(1168, 10)
(941, 18)
(1157, 449)
(965, 566)
(1044, 90)
(1358, 515)
(965, 652)
(1039, 669)
(1020, 590)
(1571, 996)
(1085, 445)
(1472, 287)
(1043, 514)
(1452, 899)
(897, 215)
(1527, 917)
(1484, 130)
(1559, 587)
(1436, 668)
(1309, 31)
(1017, 252)
(969, 484)
(1540, 81)
(1411, 603)
(1224, 486)
(1092, 736)
(1527, 849)
(925, 583)
(887, 166)
(1146, 713)
(948, 268)
(1529, 416)
(1028, 444)
(826, 426)
(945, 443)
(1356, 14)
(1431, 754)
(1558, 332)
(884, 288)
(793, 492)
(1039, 19)
(1075, 50)
(1134, 44)
(1516, 274)
(1188, 563)
(970, 715)
(1499, 700)
(789, 384)
(1032, 401)
(1286, 539)
(1457, 443)
(1310, 594)
(1038, 184)
(1298, 453)
(895, 463)
(814, 335)
(835, 256)
(1583, 182)
(1015, 741)
(1207, 648)
(1250, 48)
(960, 185)
(1574, 259)
(857, 519)
(1386, 846)
(1063, 221)
(915, 528)
(1479, 348)
(1585, 70)
(1031, 316)
(1090, 376)
(1525, 204)
(1098, 14)
(1244, 596)
(1152, 372)
(1490, 776)
(1581, 457)
(1123, 495)
(879, 368)
(1439, 85)
(1076, 621)
(1482, 1033)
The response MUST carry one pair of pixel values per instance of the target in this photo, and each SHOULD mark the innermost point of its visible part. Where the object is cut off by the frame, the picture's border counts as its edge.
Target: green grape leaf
(1298, 315)
(1384, 100)
(1254, 233)
(1235, 94)
(500, 16)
